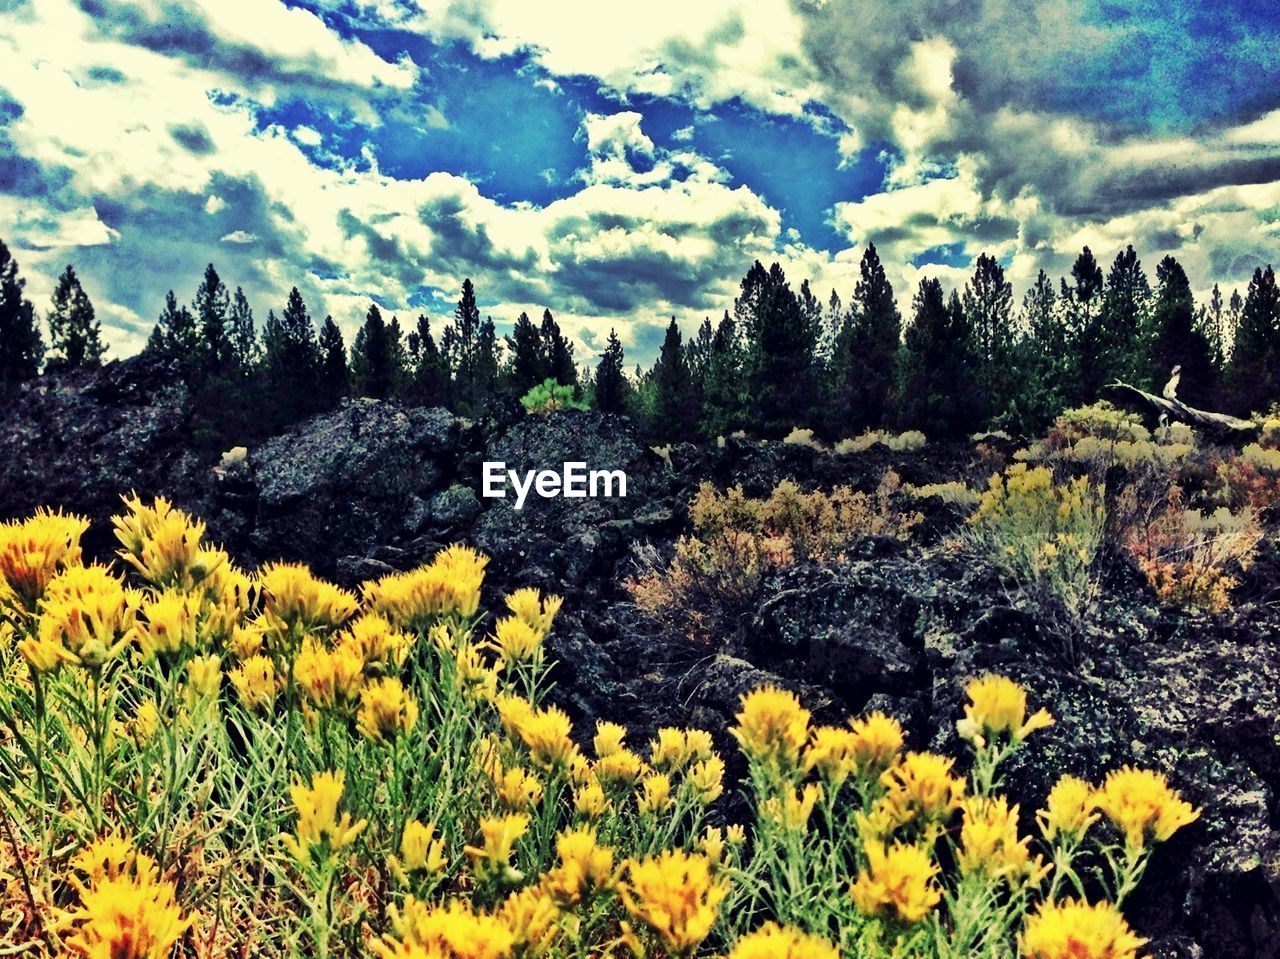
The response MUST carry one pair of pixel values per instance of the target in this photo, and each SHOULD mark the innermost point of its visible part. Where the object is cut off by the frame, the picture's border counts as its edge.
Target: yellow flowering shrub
(198, 761)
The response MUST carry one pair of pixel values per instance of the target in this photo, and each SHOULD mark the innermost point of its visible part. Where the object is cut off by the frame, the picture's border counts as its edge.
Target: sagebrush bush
(1042, 534)
(1101, 436)
(954, 492)
(803, 437)
(908, 442)
(199, 761)
(737, 540)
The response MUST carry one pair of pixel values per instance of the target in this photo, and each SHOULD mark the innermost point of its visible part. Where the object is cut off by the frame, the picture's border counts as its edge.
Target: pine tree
(675, 412)
(471, 350)
(373, 357)
(1047, 370)
(1081, 304)
(938, 395)
(211, 307)
(558, 351)
(335, 376)
(988, 307)
(75, 339)
(244, 337)
(1254, 372)
(1176, 339)
(865, 348)
(781, 331)
(429, 383)
(611, 380)
(721, 388)
(528, 364)
(291, 361)
(1123, 314)
(175, 336)
(21, 347)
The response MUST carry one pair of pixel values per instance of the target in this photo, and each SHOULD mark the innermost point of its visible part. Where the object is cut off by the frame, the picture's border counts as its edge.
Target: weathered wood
(1178, 411)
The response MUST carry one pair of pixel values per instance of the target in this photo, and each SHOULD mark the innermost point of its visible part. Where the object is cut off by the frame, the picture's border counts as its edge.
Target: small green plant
(549, 396)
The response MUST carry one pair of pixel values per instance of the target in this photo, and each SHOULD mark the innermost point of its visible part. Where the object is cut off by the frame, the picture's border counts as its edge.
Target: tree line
(959, 362)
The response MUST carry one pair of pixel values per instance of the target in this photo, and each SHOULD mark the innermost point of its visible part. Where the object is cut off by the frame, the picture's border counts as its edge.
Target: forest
(948, 363)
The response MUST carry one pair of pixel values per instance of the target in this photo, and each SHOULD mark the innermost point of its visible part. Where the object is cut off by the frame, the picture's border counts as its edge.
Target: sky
(619, 163)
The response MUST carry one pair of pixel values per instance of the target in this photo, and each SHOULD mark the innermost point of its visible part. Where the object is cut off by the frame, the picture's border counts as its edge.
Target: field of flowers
(197, 761)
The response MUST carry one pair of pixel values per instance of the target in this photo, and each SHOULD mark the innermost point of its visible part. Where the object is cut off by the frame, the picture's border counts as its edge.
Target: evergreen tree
(335, 376)
(487, 363)
(721, 387)
(1043, 359)
(1176, 339)
(244, 337)
(781, 331)
(1254, 372)
(175, 336)
(373, 356)
(937, 393)
(988, 307)
(697, 352)
(470, 345)
(429, 382)
(675, 409)
(558, 352)
(1125, 303)
(528, 364)
(1081, 305)
(21, 347)
(611, 380)
(211, 307)
(291, 361)
(865, 349)
(74, 335)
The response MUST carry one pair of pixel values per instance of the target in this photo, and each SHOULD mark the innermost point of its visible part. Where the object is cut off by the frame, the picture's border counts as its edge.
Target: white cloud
(239, 237)
(307, 136)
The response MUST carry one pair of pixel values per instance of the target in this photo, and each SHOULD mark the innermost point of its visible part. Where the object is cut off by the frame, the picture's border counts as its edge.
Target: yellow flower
(998, 706)
(247, 640)
(532, 916)
(831, 751)
(920, 793)
(791, 813)
(170, 625)
(585, 867)
(454, 931)
(676, 895)
(88, 612)
(329, 678)
(163, 544)
(33, 552)
(878, 740)
(319, 824)
(125, 918)
(546, 732)
(529, 606)
(385, 710)
(143, 726)
(1077, 930)
(415, 600)
(590, 801)
(255, 683)
(516, 641)
(772, 729)
(674, 749)
(296, 602)
(608, 739)
(420, 850)
(498, 839)
(989, 842)
(620, 771)
(204, 677)
(1141, 805)
(655, 794)
(735, 835)
(477, 679)
(711, 844)
(706, 779)
(379, 645)
(110, 857)
(897, 881)
(772, 941)
(517, 789)
(1069, 809)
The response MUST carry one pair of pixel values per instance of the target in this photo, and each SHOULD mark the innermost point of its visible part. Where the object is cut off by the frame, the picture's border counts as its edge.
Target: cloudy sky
(623, 162)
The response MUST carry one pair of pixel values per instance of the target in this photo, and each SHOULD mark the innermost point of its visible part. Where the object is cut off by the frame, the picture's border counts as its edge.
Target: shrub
(1239, 483)
(285, 768)
(737, 540)
(549, 396)
(803, 437)
(907, 442)
(1100, 436)
(953, 492)
(1189, 557)
(1041, 534)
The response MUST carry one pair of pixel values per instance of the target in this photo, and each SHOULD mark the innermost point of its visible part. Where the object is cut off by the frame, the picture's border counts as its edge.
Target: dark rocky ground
(374, 486)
